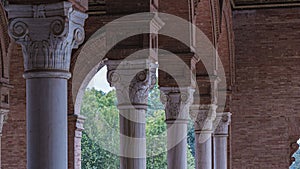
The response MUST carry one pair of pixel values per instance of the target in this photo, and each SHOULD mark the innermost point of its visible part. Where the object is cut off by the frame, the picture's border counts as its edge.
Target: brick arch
(227, 14)
(204, 18)
(223, 47)
(225, 44)
(83, 71)
(204, 21)
(226, 52)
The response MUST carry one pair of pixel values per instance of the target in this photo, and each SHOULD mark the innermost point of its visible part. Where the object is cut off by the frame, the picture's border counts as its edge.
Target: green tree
(156, 142)
(95, 157)
(102, 127)
(101, 116)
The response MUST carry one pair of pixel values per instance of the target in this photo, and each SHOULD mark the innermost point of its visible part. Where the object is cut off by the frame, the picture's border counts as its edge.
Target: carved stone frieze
(47, 33)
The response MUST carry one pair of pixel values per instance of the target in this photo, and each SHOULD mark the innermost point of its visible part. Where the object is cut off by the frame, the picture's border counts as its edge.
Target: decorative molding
(177, 101)
(222, 122)
(49, 74)
(47, 33)
(132, 80)
(203, 116)
(3, 118)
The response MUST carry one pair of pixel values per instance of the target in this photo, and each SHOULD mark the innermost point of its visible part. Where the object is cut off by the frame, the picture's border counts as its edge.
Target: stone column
(220, 140)
(204, 116)
(177, 102)
(132, 79)
(47, 33)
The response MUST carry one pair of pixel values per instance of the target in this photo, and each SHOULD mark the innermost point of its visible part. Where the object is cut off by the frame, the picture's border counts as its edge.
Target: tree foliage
(102, 132)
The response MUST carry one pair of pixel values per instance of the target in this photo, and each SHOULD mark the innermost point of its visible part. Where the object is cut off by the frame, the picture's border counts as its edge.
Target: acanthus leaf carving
(177, 102)
(222, 123)
(47, 35)
(203, 116)
(132, 80)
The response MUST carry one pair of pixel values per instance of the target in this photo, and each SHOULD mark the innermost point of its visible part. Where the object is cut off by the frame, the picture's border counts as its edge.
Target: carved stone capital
(132, 79)
(203, 116)
(177, 103)
(47, 33)
(3, 118)
(222, 122)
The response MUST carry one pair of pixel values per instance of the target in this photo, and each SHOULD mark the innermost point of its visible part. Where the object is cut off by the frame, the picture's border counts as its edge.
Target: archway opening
(100, 137)
(101, 126)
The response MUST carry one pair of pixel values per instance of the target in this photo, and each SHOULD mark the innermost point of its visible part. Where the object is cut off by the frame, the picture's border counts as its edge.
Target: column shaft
(132, 79)
(133, 139)
(222, 122)
(177, 103)
(177, 146)
(47, 33)
(46, 123)
(204, 116)
(220, 152)
(203, 152)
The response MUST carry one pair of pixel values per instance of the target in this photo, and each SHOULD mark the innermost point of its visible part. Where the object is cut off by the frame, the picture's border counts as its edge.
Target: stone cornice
(47, 33)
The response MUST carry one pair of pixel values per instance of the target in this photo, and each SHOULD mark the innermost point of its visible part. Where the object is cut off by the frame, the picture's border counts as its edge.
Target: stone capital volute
(132, 79)
(177, 101)
(203, 117)
(222, 122)
(47, 34)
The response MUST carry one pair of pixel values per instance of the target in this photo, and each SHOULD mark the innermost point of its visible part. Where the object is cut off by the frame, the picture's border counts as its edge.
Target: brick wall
(265, 109)
(265, 102)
